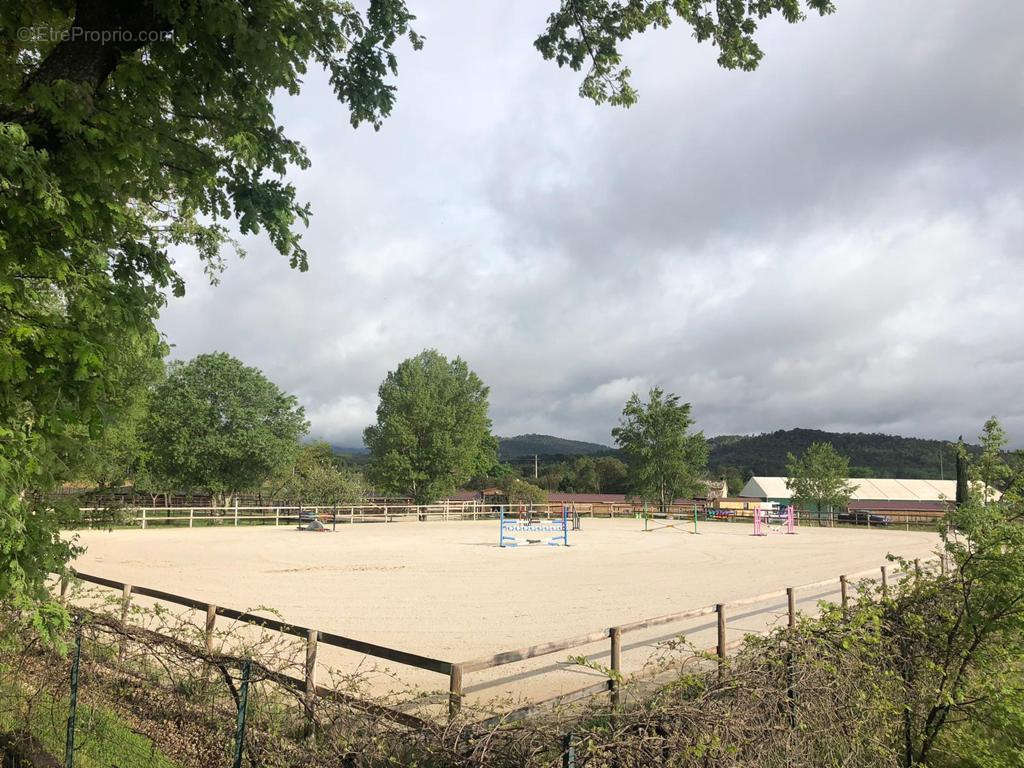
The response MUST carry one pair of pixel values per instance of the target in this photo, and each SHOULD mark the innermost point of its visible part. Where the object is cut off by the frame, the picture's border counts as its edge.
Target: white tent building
(866, 489)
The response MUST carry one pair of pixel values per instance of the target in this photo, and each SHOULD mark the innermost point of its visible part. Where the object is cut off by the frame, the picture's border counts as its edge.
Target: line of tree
(215, 425)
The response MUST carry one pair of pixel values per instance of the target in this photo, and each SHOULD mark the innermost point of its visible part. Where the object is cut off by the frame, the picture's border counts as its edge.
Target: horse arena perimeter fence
(457, 674)
(342, 514)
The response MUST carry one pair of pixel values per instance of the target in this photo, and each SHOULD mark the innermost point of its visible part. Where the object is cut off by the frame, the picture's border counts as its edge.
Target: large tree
(218, 425)
(665, 460)
(819, 478)
(433, 432)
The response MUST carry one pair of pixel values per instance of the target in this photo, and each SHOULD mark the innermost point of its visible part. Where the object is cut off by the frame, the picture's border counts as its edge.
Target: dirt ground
(446, 590)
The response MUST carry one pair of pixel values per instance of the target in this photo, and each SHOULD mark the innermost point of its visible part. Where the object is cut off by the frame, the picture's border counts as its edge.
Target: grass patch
(102, 739)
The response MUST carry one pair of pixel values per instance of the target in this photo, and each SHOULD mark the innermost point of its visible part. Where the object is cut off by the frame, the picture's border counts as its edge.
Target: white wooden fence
(334, 515)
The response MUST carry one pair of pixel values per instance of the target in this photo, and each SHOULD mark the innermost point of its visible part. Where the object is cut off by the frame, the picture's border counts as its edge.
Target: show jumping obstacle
(759, 527)
(510, 526)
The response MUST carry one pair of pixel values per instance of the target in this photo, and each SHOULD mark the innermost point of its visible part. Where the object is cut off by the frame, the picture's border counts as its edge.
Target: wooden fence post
(236, 511)
(312, 637)
(616, 665)
(211, 620)
(277, 516)
(842, 592)
(917, 567)
(143, 518)
(454, 691)
(791, 602)
(63, 587)
(720, 610)
(885, 582)
(191, 515)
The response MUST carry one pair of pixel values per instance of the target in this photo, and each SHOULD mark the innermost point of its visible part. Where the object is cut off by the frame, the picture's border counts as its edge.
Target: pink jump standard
(759, 528)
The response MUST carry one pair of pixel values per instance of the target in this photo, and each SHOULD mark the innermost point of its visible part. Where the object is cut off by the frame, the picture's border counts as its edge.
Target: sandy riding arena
(445, 590)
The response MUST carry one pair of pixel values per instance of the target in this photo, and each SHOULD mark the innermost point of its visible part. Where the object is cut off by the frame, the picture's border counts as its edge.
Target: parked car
(861, 517)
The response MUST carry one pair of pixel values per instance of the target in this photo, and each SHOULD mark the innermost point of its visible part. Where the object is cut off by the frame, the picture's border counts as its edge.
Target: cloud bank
(835, 240)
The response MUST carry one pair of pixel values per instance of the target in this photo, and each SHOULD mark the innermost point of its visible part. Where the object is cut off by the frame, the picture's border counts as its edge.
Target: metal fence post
(843, 596)
(616, 665)
(720, 610)
(243, 708)
(126, 600)
(791, 601)
(69, 744)
(312, 636)
(791, 687)
(568, 752)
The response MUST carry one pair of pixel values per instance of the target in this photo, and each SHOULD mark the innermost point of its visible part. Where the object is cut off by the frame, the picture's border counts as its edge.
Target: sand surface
(446, 590)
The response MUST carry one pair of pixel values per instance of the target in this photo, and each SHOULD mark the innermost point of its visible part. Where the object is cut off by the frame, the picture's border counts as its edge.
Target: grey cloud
(832, 241)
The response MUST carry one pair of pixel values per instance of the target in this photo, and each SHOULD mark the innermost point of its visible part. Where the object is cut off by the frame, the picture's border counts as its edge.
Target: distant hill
(871, 455)
(546, 445)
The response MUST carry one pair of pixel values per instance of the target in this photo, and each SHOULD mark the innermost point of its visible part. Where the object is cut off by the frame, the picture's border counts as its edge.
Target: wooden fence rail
(457, 671)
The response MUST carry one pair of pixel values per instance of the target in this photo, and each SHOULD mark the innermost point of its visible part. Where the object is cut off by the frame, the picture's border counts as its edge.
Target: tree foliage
(664, 460)
(318, 477)
(433, 431)
(819, 478)
(218, 425)
(589, 33)
(520, 491)
(871, 455)
(991, 471)
(957, 643)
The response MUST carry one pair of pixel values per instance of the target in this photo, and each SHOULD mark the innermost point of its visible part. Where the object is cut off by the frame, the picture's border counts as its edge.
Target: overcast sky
(835, 240)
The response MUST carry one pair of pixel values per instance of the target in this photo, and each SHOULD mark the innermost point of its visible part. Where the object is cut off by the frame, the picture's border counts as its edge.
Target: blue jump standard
(560, 527)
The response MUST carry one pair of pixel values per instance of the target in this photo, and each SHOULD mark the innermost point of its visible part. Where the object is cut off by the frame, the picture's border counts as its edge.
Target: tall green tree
(218, 425)
(433, 431)
(665, 460)
(819, 478)
(990, 469)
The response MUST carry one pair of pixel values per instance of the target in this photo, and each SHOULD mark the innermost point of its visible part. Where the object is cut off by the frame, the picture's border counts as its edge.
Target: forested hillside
(547, 445)
(871, 455)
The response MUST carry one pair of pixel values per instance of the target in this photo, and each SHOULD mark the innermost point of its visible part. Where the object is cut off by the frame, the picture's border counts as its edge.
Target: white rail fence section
(327, 514)
(339, 514)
